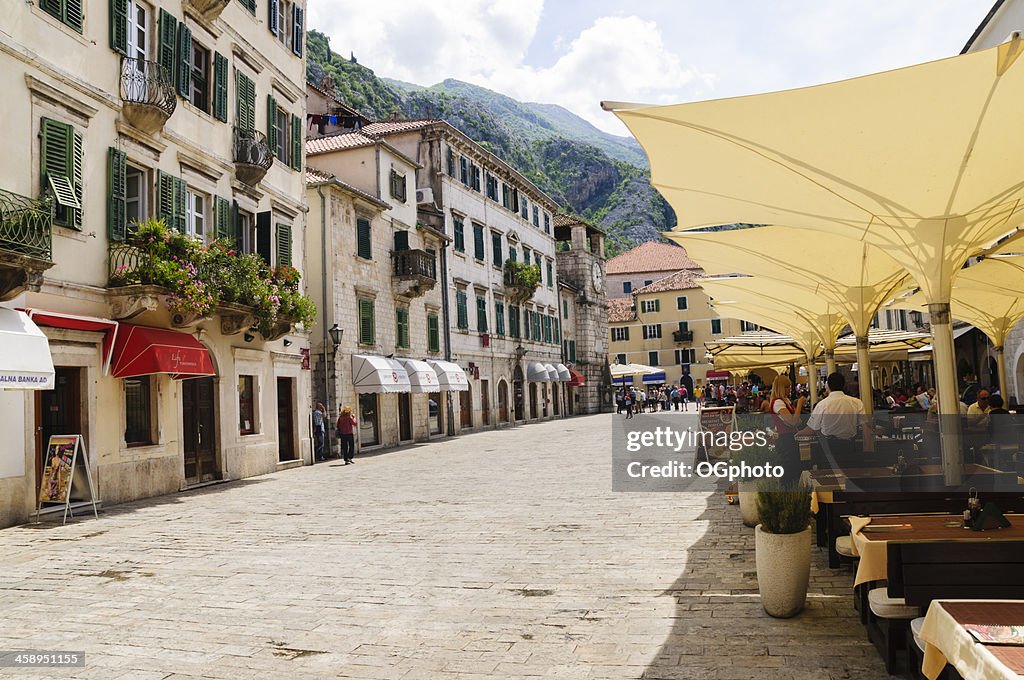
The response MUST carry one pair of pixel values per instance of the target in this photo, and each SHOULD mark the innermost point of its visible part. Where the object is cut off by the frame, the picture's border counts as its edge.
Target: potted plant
(783, 550)
(752, 456)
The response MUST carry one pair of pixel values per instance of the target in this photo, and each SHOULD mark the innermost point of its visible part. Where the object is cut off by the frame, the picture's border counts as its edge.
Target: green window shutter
(184, 64)
(167, 45)
(180, 204)
(499, 318)
(77, 177)
(53, 7)
(481, 315)
(119, 26)
(402, 327)
(363, 243)
(572, 351)
(55, 154)
(284, 245)
(165, 198)
(298, 35)
(272, 124)
(551, 275)
(272, 17)
(478, 242)
(220, 87)
(73, 14)
(460, 236)
(249, 5)
(433, 334)
(296, 142)
(246, 102)
(657, 305)
(496, 248)
(462, 314)
(116, 183)
(367, 332)
(223, 219)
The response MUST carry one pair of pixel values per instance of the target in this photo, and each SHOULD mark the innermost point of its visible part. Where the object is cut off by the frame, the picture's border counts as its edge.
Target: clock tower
(581, 274)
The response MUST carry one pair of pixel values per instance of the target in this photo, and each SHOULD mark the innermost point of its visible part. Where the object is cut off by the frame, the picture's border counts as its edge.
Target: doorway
(404, 417)
(58, 411)
(285, 420)
(485, 402)
(465, 409)
(369, 430)
(533, 400)
(555, 398)
(502, 401)
(518, 394)
(200, 430)
(434, 412)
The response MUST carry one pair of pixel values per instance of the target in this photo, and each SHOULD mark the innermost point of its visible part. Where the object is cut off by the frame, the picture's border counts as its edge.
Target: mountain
(598, 176)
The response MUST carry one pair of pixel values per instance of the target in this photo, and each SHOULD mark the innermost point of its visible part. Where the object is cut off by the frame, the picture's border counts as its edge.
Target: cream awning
(450, 376)
(622, 370)
(537, 372)
(563, 373)
(754, 349)
(25, 361)
(552, 372)
(377, 374)
(422, 378)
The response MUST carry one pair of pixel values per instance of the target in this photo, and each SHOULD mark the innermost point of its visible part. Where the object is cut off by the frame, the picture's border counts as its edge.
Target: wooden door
(405, 417)
(485, 402)
(285, 420)
(200, 432)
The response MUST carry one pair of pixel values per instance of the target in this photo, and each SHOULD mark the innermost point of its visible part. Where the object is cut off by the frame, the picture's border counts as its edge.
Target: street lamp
(336, 334)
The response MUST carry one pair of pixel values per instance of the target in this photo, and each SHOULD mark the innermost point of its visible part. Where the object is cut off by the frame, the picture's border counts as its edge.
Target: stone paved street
(502, 554)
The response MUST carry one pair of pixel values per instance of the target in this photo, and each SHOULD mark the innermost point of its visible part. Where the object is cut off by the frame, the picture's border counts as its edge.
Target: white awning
(25, 361)
(422, 377)
(372, 374)
(563, 373)
(537, 372)
(552, 372)
(450, 377)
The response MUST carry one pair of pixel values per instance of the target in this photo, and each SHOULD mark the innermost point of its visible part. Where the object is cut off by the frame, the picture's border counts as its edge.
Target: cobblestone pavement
(495, 555)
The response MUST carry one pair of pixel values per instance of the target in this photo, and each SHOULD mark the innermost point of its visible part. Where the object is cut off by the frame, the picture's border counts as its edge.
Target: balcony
(25, 243)
(147, 94)
(415, 272)
(252, 156)
(210, 9)
(521, 281)
(682, 336)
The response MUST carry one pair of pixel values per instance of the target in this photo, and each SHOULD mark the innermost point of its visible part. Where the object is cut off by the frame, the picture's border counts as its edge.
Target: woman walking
(346, 434)
(786, 419)
(319, 429)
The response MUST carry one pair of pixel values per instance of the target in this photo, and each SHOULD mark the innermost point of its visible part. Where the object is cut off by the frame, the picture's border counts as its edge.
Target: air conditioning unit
(424, 196)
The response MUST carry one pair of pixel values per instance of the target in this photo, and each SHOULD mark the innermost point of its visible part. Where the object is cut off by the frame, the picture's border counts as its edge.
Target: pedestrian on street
(627, 402)
(346, 434)
(319, 430)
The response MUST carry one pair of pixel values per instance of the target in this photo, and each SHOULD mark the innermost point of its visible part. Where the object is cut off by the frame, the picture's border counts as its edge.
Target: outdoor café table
(871, 546)
(947, 641)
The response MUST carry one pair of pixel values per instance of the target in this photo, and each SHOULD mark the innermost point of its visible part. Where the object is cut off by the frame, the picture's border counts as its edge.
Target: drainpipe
(323, 320)
(445, 314)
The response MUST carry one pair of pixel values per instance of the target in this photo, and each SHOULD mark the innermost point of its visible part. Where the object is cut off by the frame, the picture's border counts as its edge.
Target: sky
(576, 53)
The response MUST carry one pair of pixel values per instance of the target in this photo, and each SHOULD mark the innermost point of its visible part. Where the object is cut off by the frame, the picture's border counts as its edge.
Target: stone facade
(120, 94)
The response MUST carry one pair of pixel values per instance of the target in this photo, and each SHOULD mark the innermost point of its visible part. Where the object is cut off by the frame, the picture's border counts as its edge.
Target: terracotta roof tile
(621, 309)
(390, 127)
(683, 279)
(651, 257)
(338, 142)
(314, 176)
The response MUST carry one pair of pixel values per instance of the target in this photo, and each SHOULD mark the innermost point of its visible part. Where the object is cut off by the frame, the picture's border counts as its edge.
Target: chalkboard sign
(717, 419)
(65, 454)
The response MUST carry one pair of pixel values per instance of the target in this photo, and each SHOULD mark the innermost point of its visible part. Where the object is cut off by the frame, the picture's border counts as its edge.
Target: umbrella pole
(812, 379)
(1001, 367)
(945, 385)
(830, 361)
(864, 381)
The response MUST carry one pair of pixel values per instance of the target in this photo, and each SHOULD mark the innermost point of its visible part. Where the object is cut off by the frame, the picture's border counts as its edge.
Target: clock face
(597, 276)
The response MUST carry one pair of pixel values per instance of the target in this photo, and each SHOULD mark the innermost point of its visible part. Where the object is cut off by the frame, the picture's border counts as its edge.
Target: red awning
(79, 322)
(718, 375)
(576, 378)
(141, 350)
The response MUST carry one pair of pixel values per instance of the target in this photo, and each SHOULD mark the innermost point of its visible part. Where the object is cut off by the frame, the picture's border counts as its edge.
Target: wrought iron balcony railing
(147, 82)
(26, 225)
(682, 336)
(251, 148)
(415, 264)
(128, 264)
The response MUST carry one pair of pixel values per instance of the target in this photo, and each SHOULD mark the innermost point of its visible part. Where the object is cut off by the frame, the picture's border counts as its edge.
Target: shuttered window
(572, 351)
(499, 317)
(537, 329)
(249, 5)
(460, 234)
(272, 10)
(547, 328)
(117, 207)
(263, 235)
(716, 326)
(367, 331)
(224, 220)
(363, 242)
(283, 241)
(167, 46)
(398, 189)
(461, 313)
(496, 249)
(402, 327)
(245, 93)
(451, 162)
(61, 170)
(184, 61)
(220, 87)
(172, 201)
(119, 26)
(513, 321)
(297, 29)
(69, 12)
(272, 123)
(551, 274)
(433, 333)
(296, 159)
(478, 242)
(481, 314)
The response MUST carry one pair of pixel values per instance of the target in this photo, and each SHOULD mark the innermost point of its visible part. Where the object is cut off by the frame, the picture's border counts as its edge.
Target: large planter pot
(783, 571)
(747, 492)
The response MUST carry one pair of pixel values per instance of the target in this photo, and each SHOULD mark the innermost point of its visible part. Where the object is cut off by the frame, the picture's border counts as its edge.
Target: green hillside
(601, 177)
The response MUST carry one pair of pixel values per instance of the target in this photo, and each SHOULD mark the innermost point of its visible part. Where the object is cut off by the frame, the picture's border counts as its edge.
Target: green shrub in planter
(783, 509)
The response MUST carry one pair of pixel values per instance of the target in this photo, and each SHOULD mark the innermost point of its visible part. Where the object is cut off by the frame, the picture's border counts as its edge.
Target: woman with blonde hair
(346, 434)
(786, 420)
